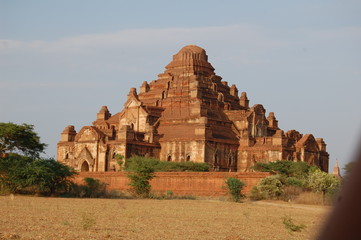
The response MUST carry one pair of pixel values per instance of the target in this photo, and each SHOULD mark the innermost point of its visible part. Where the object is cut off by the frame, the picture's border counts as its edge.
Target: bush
(293, 181)
(291, 226)
(21, 173)
(324, 183)
(92, 188)
(256, 194)
(270, 187)
(143, 172)
(162, 166)
(286, 168)
(235, 187)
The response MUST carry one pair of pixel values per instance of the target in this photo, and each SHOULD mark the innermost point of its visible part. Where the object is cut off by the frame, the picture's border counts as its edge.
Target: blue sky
(60, 61)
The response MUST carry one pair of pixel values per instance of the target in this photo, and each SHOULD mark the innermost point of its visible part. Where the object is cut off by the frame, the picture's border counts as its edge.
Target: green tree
(49, 175)
(323, 182)
(348, 169)
(235, 187)
(16, 138)
(165, 166)
(120, 161)
(286, 168)
(41, 175)
(143, 172)
(12, 176)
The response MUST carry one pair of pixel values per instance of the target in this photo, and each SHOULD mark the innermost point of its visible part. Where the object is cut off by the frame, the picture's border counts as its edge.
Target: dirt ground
(24, 217)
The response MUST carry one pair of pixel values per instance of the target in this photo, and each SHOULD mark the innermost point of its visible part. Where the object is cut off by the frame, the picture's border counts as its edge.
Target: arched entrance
(84, 167)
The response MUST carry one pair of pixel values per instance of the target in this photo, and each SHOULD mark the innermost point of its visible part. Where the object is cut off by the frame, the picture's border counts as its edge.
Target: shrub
(293, 181)
(21, 173)
(256, 194)
(92, 188)
(286, 167)
(270, 187)
(162, 166)
(235, 187)
(169, 195)
(143, 172)
(323, 182)
(120, 161)
(291, 226)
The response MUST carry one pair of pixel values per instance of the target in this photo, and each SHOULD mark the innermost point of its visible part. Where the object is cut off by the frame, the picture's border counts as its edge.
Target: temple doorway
(84, 167)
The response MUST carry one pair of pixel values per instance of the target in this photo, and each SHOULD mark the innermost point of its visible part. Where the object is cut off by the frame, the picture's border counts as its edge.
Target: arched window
(169, 158)
(84, 167)
(163, 94)
(188, 158)
(67, 156)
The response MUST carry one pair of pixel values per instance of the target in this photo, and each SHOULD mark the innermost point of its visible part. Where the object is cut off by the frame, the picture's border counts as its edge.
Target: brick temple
(188, 114)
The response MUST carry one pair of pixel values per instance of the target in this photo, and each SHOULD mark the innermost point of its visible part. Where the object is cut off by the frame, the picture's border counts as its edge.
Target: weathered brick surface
(180, 183)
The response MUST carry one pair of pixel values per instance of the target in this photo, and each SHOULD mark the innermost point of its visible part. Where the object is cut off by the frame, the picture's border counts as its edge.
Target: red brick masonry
(180, 183)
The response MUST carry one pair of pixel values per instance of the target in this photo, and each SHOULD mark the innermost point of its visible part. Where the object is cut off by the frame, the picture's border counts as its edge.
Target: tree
(35, 175)
(12, 175)
(323, 182)
(49, 175)
(235, 187)
(20, 139)
(286, 168)
(165, 166)
(348, 169)
(143, 172)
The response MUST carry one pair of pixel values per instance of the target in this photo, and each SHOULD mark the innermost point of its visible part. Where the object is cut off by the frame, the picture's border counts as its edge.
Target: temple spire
(336, 170)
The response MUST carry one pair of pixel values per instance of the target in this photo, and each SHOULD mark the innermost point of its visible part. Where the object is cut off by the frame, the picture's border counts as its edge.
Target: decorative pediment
(86, 155)
(133, 100)
(87, 134)
(308, 142)
(133, 103)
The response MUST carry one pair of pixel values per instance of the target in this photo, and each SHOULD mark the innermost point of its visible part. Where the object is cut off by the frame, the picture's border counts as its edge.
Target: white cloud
(240, 34)
(134, 52)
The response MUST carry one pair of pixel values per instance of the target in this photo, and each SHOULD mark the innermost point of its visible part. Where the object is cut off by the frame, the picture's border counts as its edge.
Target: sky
(60, 61)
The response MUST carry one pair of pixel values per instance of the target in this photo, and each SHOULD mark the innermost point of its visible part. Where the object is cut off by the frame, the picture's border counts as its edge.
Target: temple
(188, 114)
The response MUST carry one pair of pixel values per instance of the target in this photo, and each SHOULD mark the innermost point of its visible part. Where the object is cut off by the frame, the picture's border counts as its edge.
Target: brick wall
(180, 183)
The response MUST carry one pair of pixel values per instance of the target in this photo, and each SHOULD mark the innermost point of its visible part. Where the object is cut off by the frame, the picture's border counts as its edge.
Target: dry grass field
(60, 218)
